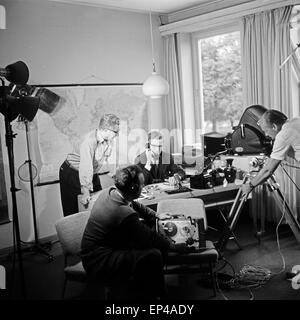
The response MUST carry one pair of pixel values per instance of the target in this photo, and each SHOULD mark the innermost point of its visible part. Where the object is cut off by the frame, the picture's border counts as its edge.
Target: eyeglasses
(156, 145)
(115, 132)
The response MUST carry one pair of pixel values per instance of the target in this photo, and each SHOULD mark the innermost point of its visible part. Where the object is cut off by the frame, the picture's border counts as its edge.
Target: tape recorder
(181, 229)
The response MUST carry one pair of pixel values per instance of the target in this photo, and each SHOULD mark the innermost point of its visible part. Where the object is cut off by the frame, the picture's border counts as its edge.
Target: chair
(192, 261)
(70, 231)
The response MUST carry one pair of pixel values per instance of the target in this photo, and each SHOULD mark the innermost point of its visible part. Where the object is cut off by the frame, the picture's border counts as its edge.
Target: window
(220, 81)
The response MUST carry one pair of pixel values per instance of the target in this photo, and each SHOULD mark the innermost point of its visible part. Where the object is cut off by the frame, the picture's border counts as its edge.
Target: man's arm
(265, 173)
(86, 170)
(176, 168)
(141, 237)
(143, 211)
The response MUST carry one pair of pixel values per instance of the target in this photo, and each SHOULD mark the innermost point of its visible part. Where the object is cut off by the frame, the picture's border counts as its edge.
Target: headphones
(128, 186)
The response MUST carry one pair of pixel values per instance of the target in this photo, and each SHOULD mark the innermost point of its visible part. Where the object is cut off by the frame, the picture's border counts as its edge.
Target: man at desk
(156, 164)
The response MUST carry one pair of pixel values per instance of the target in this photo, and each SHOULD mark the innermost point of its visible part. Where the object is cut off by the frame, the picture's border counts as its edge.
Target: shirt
(163, 168)
(287, 141)
(89, 156)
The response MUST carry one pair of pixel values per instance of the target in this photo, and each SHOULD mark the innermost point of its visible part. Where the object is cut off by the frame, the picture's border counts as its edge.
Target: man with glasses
(79, 174)
(286, 136)
(158, 165)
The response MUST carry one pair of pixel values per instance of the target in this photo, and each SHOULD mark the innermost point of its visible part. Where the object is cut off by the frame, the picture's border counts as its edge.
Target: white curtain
(173, 118)
(265, 45)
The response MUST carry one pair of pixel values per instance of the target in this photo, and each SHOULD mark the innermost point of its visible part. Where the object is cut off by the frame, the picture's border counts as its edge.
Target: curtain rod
(88, 84)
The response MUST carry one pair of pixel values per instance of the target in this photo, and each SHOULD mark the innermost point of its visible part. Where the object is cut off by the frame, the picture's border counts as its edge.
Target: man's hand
(163, 216)
(181, 248)
(175, 180)
(85, 199)
(246, 190)
(108, 151)
(150, 159)
(150, 156)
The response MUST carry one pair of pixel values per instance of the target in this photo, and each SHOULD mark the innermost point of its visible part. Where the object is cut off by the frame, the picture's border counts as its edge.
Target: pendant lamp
(155, 86)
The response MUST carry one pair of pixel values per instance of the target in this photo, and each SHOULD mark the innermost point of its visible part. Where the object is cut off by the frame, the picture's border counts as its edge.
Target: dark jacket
(114, 232)
(161, 171)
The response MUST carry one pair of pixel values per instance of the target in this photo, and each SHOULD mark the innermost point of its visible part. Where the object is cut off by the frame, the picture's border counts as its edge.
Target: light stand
(10, 106)
(37, 247)
(9, 135)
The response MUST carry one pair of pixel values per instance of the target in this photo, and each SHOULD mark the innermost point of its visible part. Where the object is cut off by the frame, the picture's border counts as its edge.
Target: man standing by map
(79, 172)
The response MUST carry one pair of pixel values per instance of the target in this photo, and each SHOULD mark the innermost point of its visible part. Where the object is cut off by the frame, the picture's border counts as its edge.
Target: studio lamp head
(17, 73)
(27, 107)
(49, 100)
(11, 106)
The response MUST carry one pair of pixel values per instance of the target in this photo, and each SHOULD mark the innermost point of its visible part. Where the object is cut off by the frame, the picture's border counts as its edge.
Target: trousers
(70, 187)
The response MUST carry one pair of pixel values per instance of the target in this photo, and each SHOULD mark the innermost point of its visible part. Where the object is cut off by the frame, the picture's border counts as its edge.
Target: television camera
(247, 138)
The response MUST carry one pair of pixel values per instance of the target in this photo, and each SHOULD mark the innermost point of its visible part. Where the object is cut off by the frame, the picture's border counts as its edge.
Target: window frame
(197, 74)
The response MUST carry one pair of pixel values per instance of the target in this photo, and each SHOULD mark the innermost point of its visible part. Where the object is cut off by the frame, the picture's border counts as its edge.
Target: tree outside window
(222, 86)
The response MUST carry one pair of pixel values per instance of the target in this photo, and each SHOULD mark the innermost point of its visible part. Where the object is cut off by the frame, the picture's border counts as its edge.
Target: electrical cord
(289, 165)
(250, 277)
(253, 277)
(236, 283)
(289, 175)
(219, 289)
(277, 239)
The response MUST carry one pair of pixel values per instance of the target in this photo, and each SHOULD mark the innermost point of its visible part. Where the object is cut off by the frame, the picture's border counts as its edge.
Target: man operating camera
(286, 136)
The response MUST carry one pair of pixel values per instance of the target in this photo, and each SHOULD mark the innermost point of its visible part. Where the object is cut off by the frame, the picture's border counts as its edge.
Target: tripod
(37, 247)
(239, 203)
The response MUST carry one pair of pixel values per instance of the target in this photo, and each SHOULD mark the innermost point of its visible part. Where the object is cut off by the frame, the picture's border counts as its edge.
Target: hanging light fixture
(155, 86)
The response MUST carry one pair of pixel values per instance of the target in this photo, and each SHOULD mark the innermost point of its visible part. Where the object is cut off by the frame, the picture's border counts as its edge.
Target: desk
(214, 197)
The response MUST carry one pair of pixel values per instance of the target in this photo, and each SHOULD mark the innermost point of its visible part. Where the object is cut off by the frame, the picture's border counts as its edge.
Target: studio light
(24, 106)
(17, 73)
(48, 99)
(12, 106)
(155, 86)
(14, 103)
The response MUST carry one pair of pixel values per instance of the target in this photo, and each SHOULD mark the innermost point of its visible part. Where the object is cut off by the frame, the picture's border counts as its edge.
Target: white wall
(62, 43)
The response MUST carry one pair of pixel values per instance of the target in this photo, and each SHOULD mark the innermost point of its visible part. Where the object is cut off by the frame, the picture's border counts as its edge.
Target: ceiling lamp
(155, 86)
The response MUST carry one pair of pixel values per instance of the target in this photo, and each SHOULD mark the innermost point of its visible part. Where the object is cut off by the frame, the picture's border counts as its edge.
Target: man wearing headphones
(117, 247)
(286, 136)
(156, 164)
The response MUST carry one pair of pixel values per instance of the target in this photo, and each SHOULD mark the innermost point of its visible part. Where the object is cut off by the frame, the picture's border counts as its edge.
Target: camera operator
(119, 248)
(286, 136)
